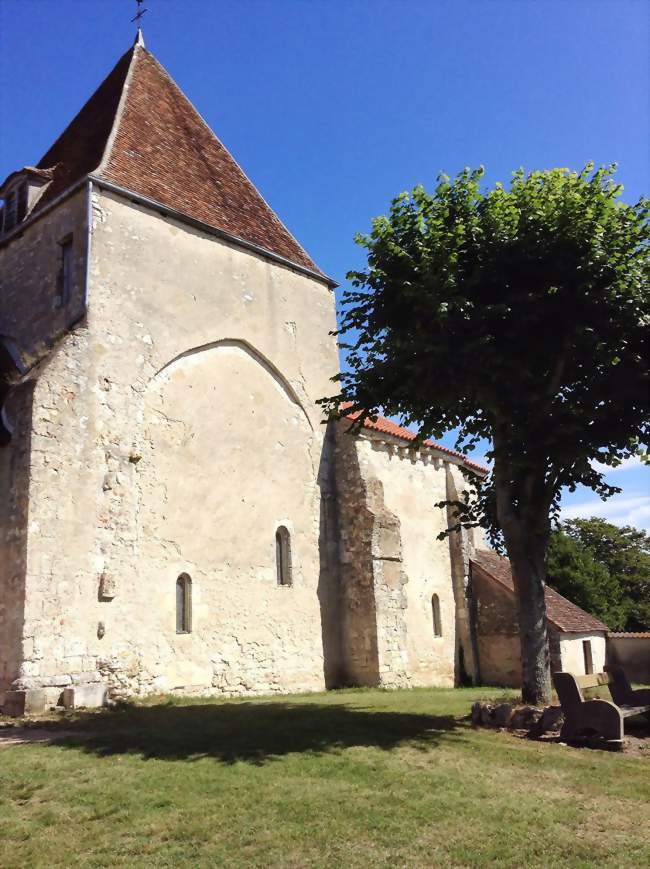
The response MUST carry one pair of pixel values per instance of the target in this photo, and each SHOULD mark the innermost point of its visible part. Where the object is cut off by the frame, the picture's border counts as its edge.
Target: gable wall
(30, 315)
(183, 429)
(497, 632)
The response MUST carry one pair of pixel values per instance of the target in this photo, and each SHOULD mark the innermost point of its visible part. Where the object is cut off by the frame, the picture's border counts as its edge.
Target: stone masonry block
(85, 696)
(388, 541)
(18, 703)
(107, 586)
(392, 573)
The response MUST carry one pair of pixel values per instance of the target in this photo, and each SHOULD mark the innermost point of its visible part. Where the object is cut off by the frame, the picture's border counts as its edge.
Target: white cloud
(619, 509)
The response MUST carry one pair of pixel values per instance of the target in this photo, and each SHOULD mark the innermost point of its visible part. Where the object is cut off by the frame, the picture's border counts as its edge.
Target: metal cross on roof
(138, 16)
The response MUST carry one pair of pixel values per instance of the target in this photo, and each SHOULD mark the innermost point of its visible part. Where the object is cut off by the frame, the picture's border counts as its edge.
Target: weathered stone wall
(497, 632)
(497, 635)
(181, 431)
(14, 513)
(632, 652)
(393, 563)
(358, 501)
(32, 319)
(172, 431)
(31, 314)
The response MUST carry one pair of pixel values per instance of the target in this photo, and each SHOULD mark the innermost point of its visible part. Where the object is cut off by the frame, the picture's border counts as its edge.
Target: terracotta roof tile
(386, 426)
(566, 616)
(635, 635)
(139, 131)
(79, 149)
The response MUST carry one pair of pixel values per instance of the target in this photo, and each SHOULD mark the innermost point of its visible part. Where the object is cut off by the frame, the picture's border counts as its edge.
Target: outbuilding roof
(139, 132)
(564, 615)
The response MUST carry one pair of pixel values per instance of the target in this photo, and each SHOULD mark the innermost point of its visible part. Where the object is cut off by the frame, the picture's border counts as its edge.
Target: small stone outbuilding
(577, 640)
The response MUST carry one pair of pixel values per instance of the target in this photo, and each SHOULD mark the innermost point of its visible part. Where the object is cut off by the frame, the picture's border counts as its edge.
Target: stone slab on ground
(90, 696)
(30, 702)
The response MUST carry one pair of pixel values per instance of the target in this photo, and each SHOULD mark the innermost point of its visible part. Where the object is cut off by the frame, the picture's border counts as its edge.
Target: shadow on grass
(249, 732)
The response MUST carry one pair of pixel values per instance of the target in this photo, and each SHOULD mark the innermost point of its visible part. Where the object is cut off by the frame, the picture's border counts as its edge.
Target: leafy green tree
(625, 554)
(573, 571)
(516, 315)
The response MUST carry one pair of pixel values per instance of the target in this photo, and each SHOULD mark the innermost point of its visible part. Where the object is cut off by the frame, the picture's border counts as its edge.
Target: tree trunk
(528, 560)
(523, 515)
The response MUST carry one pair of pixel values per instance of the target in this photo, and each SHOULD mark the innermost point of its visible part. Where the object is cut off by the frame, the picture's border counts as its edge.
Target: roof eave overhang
(511, 591)
(166, 211)
(373, 434)
(207, 228)
(25, 172)
(33, 217)
(560, 628)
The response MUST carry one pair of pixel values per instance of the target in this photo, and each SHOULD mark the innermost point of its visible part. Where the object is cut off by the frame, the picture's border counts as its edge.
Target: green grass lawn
(349, 778)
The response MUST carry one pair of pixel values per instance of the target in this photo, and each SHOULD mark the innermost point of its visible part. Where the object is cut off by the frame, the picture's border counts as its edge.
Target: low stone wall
(529, 718)
(631, 651)
(78, 690)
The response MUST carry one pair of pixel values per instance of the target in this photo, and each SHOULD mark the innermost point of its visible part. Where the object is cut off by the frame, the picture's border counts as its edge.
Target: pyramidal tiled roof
(566, 616)
(140, 132)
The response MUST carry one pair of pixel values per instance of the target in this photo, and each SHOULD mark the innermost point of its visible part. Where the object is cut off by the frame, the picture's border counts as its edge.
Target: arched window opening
(435, 607)
(183, 604)
(283, 556)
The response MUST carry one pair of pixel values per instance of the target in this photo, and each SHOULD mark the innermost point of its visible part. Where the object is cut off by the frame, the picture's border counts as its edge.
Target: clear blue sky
(334, 107)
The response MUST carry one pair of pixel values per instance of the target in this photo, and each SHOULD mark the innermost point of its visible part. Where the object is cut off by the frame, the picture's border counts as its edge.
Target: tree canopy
(518, 316)
(604, 569)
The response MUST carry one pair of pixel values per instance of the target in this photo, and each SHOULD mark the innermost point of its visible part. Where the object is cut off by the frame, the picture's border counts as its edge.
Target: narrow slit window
(435, 610)
(64, 281)
(21, 203)
(283, 555)
(589, 661)
(10, 211)
(183, 604)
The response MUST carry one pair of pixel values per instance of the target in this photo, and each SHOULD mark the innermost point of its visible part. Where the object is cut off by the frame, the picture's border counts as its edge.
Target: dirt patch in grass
(10, 736)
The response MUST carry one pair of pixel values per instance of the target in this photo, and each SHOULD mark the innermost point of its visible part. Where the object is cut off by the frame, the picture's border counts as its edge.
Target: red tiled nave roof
(386, 426)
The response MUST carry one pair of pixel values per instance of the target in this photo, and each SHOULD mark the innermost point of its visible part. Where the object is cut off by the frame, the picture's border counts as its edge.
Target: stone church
(175, 514)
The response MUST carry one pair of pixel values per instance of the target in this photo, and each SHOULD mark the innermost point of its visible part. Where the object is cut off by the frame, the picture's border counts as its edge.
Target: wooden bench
(584, 718)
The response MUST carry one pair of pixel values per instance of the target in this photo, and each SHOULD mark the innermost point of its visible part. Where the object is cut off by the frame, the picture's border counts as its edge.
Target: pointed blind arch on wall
(281, 382)
(435, 611)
